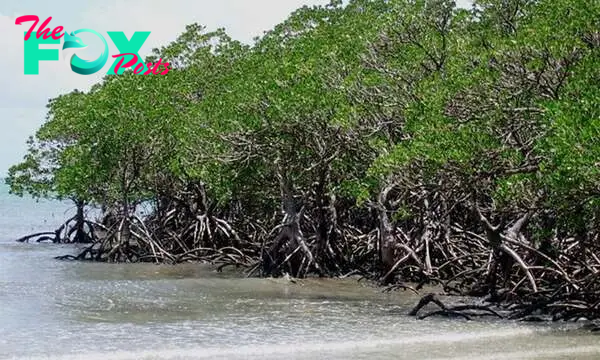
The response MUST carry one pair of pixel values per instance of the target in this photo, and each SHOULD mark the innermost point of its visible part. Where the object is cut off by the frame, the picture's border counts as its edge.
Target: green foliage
(344, 99)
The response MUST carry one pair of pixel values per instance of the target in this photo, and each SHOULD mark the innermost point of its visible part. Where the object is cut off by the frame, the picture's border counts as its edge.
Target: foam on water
(302, 349)
(546, 354)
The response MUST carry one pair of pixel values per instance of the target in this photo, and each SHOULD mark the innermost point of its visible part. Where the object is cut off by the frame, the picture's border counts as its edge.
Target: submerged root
(464, 311)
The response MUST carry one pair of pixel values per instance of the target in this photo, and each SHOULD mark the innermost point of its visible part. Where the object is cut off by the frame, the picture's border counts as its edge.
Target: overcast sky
(23, 97)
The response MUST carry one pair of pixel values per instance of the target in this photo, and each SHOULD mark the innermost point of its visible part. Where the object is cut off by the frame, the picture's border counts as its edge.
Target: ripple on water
(60, 310)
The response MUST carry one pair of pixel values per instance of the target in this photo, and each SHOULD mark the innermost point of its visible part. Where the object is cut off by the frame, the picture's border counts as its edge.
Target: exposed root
(454, 311)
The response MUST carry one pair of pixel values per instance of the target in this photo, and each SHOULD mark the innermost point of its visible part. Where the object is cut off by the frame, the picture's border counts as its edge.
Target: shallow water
(60, 310)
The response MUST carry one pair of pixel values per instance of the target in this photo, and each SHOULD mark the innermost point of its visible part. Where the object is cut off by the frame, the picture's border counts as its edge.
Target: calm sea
(22, 216)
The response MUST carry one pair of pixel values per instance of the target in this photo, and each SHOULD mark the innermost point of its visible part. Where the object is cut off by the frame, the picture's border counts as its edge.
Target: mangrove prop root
(457, 243)
(27, 238)
(453, 311)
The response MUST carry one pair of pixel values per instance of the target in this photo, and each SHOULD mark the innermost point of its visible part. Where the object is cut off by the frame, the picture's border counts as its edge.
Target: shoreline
(438, 303)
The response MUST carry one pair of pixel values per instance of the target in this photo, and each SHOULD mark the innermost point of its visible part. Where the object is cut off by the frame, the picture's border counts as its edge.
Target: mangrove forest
(411, 142)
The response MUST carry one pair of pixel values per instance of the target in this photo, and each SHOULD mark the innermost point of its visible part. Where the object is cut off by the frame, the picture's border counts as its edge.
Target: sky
(23, 98)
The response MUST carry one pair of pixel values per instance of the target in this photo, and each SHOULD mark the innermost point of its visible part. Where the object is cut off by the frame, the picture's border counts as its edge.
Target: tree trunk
(80, 235)
(387, 240)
